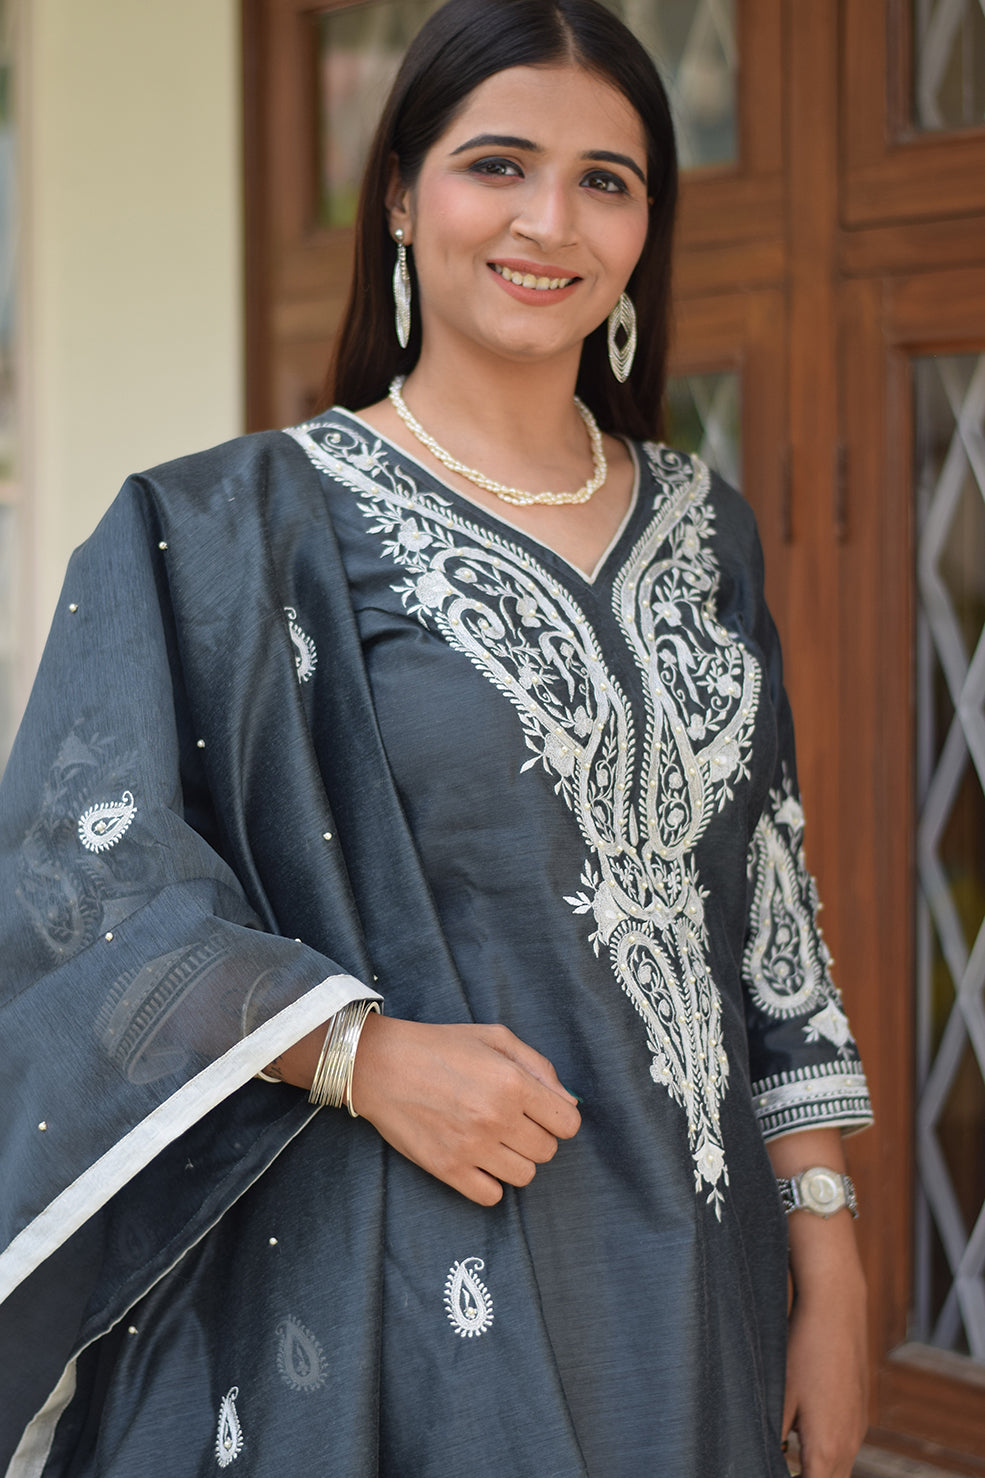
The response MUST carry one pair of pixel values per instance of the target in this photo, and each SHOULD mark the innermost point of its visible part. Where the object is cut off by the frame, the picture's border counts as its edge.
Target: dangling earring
(401, 290)
(623, 316)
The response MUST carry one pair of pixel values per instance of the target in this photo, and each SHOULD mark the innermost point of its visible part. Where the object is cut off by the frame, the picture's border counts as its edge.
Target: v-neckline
(585, 577)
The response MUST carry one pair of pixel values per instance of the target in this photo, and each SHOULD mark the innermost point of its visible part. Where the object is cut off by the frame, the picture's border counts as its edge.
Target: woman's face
(529, 214)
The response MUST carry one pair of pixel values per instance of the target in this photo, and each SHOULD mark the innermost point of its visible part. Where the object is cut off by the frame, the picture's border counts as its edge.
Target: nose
(546, 215)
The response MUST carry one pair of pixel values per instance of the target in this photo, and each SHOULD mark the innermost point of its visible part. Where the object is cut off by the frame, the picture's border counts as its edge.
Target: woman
(361, 721)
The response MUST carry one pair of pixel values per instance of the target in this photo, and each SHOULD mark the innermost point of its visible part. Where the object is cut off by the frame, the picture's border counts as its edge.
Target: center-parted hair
(463, 44)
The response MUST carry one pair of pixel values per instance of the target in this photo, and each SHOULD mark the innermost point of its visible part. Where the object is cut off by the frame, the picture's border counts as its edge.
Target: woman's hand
(827, 1371)
(472, 1105)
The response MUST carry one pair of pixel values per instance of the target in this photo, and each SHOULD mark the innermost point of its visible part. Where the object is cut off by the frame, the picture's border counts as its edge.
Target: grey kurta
(598, 786)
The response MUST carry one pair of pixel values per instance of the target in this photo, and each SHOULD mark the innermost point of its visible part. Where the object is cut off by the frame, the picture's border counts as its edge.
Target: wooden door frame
(892, 172)
(927, 1404)
(839, 241)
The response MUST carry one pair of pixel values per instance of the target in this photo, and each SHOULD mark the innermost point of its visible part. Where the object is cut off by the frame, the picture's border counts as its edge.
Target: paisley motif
(786, 964)
(305, 651)
(468, 1302)
(229, 1437)
(103, 825)
(300, 1358)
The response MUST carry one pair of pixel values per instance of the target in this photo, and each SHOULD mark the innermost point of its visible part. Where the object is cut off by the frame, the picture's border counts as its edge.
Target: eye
(601, 179)
(495, 168)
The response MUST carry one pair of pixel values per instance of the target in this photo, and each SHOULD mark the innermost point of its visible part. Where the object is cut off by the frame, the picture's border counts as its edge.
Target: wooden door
(822, 263)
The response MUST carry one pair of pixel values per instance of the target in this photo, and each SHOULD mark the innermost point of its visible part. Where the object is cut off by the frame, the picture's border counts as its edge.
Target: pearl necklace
(516, 496)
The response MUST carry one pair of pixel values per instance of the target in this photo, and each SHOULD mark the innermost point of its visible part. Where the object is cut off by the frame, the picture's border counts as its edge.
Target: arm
(827, 1380)
(808, 1088)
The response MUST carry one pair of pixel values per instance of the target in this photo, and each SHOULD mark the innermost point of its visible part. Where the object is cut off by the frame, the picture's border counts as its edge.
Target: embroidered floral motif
(641, 821)
(103, 825)
(468, 1303)
(305, 651)
(229, 1437)
(300, 1358)
(786, 963)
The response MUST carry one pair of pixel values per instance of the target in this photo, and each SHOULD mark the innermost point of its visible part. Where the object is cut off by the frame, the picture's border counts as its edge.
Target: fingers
(506, 1165)
(545, 1099)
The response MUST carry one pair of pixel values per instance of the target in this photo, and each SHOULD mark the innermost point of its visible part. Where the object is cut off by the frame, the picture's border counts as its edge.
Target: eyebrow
(511, 141)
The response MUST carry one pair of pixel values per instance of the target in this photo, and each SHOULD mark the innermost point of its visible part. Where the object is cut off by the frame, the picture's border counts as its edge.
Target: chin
(532, 350)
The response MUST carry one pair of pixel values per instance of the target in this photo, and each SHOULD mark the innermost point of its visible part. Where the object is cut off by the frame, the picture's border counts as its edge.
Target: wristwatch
(819, 1190)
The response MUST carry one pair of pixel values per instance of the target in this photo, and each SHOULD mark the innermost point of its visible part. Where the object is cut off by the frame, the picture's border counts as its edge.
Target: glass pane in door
(359, 48)
(948, 64)
(949, 1302)
(695, 46)
(703, 415)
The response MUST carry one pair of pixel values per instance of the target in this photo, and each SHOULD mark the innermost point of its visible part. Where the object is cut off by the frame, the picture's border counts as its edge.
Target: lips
(530, 275)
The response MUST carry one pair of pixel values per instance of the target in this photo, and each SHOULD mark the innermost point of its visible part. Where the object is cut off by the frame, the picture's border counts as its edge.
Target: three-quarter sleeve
(804, 1063)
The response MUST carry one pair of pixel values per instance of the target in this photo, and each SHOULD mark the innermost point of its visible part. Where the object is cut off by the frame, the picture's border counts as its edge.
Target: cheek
(455, 218)
(628, 242)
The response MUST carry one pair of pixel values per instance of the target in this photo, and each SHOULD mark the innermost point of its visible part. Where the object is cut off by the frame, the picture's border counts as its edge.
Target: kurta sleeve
(143, 982)
(804, 1063)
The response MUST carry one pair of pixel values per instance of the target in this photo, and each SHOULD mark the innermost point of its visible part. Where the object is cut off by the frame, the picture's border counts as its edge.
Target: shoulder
(215, 503)
(722, 517)
(233, 489)
(240, 464)
(675, 470)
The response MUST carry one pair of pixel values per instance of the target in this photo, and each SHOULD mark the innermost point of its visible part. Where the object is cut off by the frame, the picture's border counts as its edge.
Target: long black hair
(463, 44)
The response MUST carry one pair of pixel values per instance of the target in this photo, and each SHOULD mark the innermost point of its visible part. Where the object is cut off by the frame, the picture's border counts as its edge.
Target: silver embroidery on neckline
(526, 633)
(229, 1437)
(103, 825)
(468, 1302)
(305, 652)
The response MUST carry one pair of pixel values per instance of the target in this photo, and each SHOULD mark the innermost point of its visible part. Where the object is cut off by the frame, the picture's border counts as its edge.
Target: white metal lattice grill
(949, 1304)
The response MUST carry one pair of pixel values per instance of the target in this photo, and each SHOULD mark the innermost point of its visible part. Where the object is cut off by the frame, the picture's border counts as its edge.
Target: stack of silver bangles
(331, 1086)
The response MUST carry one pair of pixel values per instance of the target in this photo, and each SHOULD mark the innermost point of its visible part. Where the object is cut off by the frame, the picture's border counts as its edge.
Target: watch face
(822, 1191)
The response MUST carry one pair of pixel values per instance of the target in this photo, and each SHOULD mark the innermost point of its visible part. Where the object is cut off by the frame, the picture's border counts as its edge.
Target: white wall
(133, 288)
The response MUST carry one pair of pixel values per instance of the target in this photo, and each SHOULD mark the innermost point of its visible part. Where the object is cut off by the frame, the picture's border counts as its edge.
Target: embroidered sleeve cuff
(826, 1095)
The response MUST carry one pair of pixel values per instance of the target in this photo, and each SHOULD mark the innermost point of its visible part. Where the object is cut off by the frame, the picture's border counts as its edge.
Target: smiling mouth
(529, 279)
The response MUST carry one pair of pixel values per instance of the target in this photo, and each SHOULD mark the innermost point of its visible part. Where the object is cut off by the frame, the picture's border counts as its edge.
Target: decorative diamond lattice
(950, 903)
(949, 63)
(703, 416)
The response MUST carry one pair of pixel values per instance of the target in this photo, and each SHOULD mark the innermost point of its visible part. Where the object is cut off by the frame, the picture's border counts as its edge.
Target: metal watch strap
(792, 1197)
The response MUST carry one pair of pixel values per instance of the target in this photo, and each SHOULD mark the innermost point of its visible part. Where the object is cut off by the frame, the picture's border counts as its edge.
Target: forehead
(557, 106)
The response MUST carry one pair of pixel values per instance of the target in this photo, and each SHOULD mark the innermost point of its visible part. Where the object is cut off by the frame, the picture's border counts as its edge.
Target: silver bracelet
(331, 1086)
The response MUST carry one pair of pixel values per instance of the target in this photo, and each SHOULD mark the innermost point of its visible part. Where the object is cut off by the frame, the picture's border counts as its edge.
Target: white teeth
(527, 279)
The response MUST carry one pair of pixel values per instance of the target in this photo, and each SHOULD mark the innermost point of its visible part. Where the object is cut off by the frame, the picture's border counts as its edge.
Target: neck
(528, 405)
